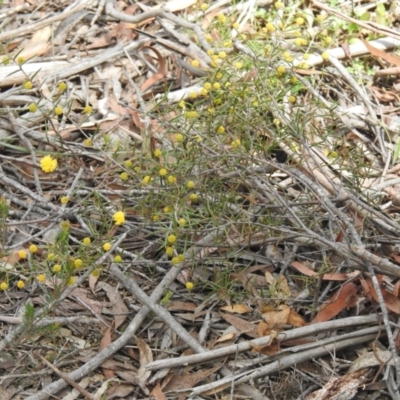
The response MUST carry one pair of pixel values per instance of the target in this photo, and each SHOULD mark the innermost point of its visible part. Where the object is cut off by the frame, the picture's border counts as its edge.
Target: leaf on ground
(276, 318)
(157, 392)
(391, 58)
(243, 326)
(188, 381)
(119, 391)
(392, 302)
(236, 308)
(38, 45)
(92, 304)
(327, 277)
(344, 297)
(279, 284)
(159, 75)
(146, 357)
(118, 308)
(181, 306)
(227, 337)
(271, 347)
(106, 340)
(342, 387)
(296, 319)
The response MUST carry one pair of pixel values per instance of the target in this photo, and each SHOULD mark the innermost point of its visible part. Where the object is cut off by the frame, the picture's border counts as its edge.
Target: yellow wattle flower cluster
(48, 164)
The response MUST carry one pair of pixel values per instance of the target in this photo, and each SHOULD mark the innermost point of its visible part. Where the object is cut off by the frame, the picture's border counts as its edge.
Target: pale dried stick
(148, 303)
(5, 35)
(296, 333)
(335, 344)
(70, 382)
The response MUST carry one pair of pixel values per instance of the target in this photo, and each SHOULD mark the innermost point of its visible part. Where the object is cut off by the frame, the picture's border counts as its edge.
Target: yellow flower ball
(22, 254)
(238, 65)
(189, 285)
(71, 280)
(106, 246)
(96, 272)
(235, 144)
(62, 86)
(146, 180)
(48, 164)
(117, 258)
(278, 5)
(193, 95)
(193, 197)
(33, 248)
(64, 200)
(78, 263)
(123, 176)
(222, 54)
(292, 99)
(181, 221)
(119, 218)
(190, 184)
(51, 256)
(297, 41)
(86, 241)
(221, 129)
(181, 257)
(56, 268)
(32, 107)
(207, 86)
(87, 110)
(20, 60)
(58, 110)
(281, 69)
(221, 18)
(171, 239)
(128, 164)
(179, 137)
(157, 153)
(299, 21)
(175, 260)
(3, 286)
(195, 63)
(216, 86)
(171, 179)
(191, 114)
(209, 39)
(270, 27)
(169, 250)
(88, 142)
(167, 209)
(20, 284)
(204, 7)
(325, 55)
(162, 172)
(28, 85)
(155, 218)
(41, 278)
